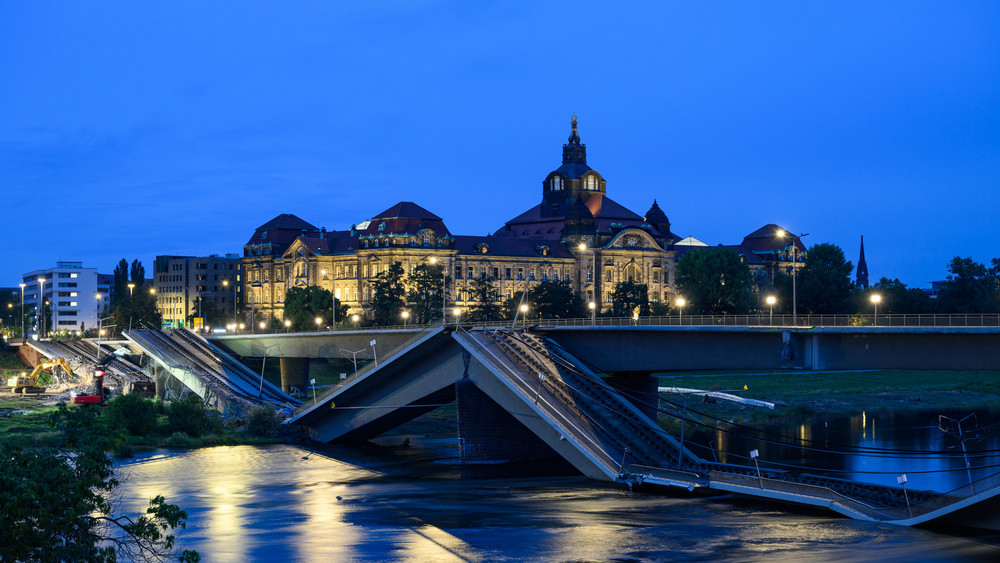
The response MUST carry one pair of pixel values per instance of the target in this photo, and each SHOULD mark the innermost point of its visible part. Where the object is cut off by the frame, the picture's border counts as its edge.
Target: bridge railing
(754, 320)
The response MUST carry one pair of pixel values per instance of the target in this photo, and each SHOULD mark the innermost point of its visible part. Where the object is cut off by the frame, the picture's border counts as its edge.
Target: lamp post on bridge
(796, 240)
(876, 299)
(771, 300)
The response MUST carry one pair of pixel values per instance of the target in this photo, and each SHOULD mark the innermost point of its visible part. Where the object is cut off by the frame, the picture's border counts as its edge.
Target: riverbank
(806, 395)
(24, 419)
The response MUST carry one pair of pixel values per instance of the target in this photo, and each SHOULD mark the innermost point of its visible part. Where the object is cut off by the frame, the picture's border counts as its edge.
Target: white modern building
(71, 294)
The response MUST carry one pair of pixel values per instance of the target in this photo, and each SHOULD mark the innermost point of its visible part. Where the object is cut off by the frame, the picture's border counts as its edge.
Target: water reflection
(375, 504)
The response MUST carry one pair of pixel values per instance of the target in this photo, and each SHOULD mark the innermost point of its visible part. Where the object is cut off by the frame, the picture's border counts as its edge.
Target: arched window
(556, 183)
(590, 183)
(633, 273)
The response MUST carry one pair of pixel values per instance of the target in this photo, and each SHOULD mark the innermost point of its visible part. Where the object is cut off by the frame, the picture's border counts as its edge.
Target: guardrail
(755, 320)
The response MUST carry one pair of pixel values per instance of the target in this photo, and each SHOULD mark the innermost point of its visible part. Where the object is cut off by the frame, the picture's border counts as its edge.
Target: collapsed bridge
(522, 397)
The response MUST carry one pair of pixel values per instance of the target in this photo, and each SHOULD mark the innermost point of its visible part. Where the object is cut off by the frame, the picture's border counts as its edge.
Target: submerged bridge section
(520, 396)
(185, 360)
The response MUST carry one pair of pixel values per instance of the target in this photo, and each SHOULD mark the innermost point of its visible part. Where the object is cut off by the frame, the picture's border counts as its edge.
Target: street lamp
(288, 325)
(444, 289)
(41, 307)
(876, 299)
(22, 311)
(406, 317)
(680, 310)
(593, 313)
(524, 315)
(319, 322)
(795, 240)
(593, 271)
(771, 300)
(333, 296)
(131, 286)
(355, 318)
(262, 325)
(458, 314)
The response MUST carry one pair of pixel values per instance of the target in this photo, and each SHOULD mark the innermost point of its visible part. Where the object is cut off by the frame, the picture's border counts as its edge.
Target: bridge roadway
(638, 349)
(186, 358)
(520, 397)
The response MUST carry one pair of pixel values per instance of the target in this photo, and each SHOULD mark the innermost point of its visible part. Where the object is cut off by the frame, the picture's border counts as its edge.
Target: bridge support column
(486, 432)
(294, 375)
(639, 388)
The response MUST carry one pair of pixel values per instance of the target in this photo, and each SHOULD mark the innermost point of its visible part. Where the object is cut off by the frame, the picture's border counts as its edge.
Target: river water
(395, 503)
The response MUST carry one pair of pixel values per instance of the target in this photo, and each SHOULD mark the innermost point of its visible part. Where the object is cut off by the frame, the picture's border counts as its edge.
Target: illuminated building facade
(576, 233)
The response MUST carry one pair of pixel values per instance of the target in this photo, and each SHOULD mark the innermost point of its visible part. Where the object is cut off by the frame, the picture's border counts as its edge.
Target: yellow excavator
(29, 383)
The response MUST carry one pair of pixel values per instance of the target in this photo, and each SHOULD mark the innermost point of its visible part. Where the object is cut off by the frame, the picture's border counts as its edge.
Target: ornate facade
(576, 233)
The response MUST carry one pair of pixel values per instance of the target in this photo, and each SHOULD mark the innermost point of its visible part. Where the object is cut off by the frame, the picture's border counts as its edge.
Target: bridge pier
(294, 375)
(639, 388)
(487, 432)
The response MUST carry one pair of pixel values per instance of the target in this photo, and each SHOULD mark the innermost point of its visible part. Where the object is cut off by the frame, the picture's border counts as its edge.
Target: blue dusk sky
(132, 129)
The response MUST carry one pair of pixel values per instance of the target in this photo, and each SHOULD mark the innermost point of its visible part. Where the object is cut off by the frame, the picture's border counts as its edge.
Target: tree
(486, 297)
(304, 304)
(715, 281)
(137, 274)
(556, 300)
(970, 287)
(896, 299)
(134, 306)
(119, 289)
(56, 505)
(387, 296)
(824, 284)
(211, 312)
(427, 283)
(629, 298)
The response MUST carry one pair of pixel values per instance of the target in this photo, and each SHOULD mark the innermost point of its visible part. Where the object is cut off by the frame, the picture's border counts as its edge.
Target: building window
(496, 273)
(590, 183)
(656, 276)
(557, 183)
(507, 270)
(608, 274)
(520, 273)
(472, 273)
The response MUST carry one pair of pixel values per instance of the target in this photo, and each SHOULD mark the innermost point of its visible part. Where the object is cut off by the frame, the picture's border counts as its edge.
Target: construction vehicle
(29, 383)
(96, 399)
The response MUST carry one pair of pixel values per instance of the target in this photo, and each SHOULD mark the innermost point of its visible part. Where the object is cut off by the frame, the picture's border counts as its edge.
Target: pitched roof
(406, 210)
(405, 217)
(286, 221)
(605, 210)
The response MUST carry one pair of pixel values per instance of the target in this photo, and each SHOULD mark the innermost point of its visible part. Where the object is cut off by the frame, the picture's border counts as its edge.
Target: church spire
(862, 269)
(574, 150)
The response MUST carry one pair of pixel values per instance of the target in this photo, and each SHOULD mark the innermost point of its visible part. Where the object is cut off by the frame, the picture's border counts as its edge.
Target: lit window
(556, 183)
(590, 183)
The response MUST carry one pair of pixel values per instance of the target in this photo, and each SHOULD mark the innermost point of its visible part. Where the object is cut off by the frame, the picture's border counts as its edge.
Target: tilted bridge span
(521, 396)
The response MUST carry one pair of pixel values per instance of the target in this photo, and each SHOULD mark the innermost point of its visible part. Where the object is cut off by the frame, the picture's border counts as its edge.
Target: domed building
(576, 233)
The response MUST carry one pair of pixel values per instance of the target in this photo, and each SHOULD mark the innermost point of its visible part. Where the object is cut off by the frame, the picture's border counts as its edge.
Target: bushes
(142, 417)
(262, 422)
(138, 416)
(190, 416)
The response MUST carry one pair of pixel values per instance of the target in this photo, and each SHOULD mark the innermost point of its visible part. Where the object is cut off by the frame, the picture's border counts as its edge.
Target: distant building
(862, 269)
(773, 249)
(181, 281)
(577, 233)
(70, 294)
